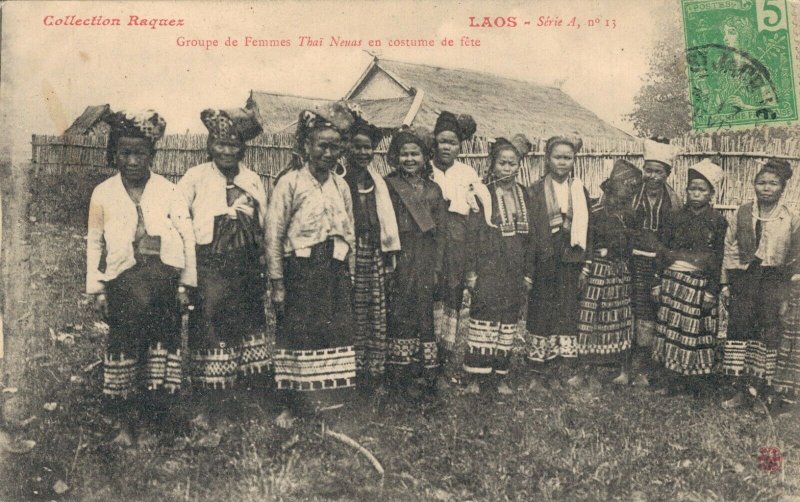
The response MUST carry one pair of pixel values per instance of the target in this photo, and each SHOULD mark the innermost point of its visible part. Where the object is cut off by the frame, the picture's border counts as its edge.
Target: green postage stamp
(739, 56)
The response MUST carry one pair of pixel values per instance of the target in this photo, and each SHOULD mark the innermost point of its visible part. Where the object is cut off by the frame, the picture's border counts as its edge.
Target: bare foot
(622, 379)
(504, 389)
(201, 421)
(575, 382)
(594, 384)
(641, 380)
(555, 384)
(536, 384)
(285, 420)
(124, 438)
(146, 439)
(733, 402)
(473, 388)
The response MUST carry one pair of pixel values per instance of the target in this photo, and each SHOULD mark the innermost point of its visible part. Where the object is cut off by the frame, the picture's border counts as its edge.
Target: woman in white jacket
(140, 258)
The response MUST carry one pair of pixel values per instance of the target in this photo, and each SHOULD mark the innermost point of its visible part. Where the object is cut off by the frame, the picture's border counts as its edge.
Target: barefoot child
(605, 328)
(686, 326)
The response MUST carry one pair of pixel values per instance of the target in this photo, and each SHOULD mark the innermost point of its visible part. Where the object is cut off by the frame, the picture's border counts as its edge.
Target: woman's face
(506, 164)
(447, 148)
(730, 36)
(624, 191)
(769, 188)
(324, 148)
(361, 151)
(654, 174)
(226, 153)
(561, 161)
(410, 158)
(698, 193)
(133, 158)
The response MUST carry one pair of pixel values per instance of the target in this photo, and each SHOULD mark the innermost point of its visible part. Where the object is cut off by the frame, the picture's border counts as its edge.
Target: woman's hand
(242, 205)
(655, 293)
(183, 298)
(278, 297)
(100, 304)
(583, 279)
(472, 280)
(725, 295)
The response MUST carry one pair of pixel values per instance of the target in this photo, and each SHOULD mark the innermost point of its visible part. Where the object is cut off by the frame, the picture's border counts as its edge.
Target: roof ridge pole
(415, 106)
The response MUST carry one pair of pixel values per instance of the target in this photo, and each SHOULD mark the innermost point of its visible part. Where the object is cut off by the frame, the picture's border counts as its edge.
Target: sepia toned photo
(372, 250)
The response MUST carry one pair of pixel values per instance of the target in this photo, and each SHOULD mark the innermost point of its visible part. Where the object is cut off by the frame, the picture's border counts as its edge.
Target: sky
(51, 73)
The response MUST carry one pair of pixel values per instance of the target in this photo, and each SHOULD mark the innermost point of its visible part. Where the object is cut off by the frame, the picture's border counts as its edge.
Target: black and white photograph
(400, 250)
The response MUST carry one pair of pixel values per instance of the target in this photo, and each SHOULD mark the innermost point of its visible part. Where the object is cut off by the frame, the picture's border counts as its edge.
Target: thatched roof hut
(392, 93)
(90, 122)
(278, 112)
(500, 106)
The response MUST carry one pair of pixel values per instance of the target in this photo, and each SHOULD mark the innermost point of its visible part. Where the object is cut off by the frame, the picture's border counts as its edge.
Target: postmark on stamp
(739, 57)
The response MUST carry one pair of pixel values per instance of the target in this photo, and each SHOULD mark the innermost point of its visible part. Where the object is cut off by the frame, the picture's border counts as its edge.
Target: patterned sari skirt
(787, 373)
(228, 340)
(643, 269)
(686, 330)
(370, 307)
(143, 350)
(315, 362)
(605, 326)
(754, 323)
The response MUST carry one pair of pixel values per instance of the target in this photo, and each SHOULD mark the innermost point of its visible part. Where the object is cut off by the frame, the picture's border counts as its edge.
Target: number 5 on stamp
(739, 56)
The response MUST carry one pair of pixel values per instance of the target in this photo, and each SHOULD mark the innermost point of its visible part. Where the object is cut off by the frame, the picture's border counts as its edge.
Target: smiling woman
(227, 339)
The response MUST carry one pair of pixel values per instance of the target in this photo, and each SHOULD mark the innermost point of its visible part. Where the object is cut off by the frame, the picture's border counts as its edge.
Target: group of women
(367, 275)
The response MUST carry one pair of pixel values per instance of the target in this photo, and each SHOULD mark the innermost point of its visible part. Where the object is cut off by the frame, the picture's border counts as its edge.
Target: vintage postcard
(400, 250)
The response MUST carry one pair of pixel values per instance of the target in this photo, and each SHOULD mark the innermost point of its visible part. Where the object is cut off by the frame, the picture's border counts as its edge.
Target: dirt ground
(601, 443)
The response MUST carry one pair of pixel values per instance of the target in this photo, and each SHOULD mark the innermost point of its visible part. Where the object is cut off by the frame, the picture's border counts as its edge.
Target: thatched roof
(88, 119)
(277, 112)
(500, 106)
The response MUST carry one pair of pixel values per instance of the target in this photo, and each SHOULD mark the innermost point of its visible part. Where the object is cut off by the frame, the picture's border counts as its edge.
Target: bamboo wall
(268, 154)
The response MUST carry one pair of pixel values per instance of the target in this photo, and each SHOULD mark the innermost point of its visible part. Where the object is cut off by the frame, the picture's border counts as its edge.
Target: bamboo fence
(269, 154)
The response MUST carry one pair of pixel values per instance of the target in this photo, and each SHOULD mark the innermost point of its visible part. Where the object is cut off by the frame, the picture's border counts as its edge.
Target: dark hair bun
(781, 167)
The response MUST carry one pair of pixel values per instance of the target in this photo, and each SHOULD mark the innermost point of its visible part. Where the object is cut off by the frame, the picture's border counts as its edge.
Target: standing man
(653, 208)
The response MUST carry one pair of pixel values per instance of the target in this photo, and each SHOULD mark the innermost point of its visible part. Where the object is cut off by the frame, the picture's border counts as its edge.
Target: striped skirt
(754, 328)
(605, 326)
(369, 307)
(143, 348)
(686, 327)
(315, 362)
(228, 338)
(489, 346)
(787, 372)
(643, 270)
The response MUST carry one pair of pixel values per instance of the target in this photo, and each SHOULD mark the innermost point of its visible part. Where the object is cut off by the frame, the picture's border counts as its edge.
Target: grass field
(626, 444)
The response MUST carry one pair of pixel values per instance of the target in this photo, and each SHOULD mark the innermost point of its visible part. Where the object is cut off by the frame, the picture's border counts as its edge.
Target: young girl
(420, 210)
(377, 240)
(605, 328)
(686, 328)
(498, 258)
(558, 248)
(141, 223)
(762, 259)
(458, 183)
